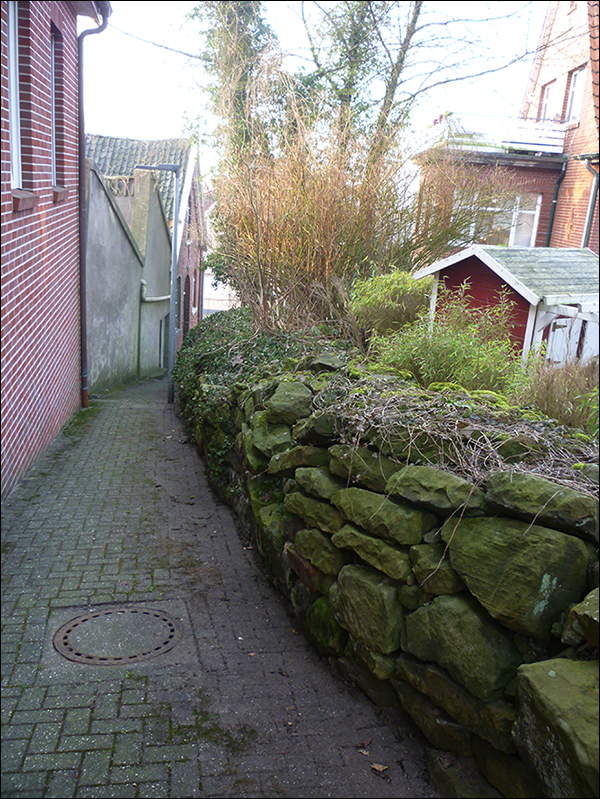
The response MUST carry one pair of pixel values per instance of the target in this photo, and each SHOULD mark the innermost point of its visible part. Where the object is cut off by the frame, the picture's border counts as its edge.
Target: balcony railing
(495, 134)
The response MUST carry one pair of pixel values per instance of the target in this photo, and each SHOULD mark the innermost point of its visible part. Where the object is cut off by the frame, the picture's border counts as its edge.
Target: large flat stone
(556, 731)
(524, 575)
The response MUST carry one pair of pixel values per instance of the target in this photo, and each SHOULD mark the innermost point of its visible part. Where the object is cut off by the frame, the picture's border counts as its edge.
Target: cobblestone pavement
(118, 513)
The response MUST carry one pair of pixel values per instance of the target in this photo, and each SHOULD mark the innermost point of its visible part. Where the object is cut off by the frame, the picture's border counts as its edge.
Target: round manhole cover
(117, 636)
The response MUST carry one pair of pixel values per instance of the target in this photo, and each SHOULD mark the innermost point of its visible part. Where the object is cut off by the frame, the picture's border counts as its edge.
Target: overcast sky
(137, 90)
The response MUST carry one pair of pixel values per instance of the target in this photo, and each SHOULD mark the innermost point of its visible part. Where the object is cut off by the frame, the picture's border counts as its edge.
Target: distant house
(554, 292)
(117, 160)
(551, 151)
(217, 296)
(43, 369)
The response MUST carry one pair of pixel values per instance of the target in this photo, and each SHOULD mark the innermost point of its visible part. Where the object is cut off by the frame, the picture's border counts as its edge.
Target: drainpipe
(561, 177)
(105, 11)
(592, 202)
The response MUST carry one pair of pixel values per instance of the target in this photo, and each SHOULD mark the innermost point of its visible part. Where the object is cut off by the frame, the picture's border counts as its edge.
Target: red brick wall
(539, 181)
(189, 262)
(575, 190)
(40, 266)
(571, 44)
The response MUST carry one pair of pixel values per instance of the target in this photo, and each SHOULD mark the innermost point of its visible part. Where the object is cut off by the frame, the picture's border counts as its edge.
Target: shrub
(465, 345)
(385, 303)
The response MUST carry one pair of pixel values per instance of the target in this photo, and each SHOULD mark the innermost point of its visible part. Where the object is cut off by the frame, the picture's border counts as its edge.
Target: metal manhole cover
(117, 636)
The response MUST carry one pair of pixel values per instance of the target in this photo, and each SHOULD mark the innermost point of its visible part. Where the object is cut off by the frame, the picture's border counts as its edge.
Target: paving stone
(104, 518)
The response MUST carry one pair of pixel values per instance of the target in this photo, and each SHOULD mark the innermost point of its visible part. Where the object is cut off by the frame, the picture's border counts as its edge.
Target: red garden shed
(554, 291)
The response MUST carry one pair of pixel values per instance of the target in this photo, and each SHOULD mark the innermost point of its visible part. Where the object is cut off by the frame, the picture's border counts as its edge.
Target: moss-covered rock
(323, 628)
(456, 633)
(532, 498)
(318, 548)
(285, 463)
(432, 570)
(316, 513)
(272, 535)
(318, 482)
(291, 401)
(392, 521)
(254, 460)
(412, 597)
(366, 604)
(319, 428)
(505, 771)
(490, 720)
(315, 580)
(583, 620)
(518, 448)
(436, 490)
(556, 731)
(439, 729)
(524, 575)
(381, 666)
(269, 438)
(386, 558)
(361, 465)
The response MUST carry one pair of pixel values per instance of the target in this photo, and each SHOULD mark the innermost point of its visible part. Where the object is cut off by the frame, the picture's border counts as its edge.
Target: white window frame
(575, 95)
(517, 212)
(14, 101)
(548, 95)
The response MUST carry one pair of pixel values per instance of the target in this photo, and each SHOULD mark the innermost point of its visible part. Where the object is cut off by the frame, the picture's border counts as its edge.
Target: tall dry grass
(567, 393)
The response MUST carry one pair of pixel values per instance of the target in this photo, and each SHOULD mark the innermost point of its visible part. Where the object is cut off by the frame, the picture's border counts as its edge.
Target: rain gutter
(589, 217)
(561, 177)
(105, 11)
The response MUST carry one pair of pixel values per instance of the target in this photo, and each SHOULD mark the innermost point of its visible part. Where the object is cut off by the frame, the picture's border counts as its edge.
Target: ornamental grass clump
(470, 347)
(567, 393)
(384, 304)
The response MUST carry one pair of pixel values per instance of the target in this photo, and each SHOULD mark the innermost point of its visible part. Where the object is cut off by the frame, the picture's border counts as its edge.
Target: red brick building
(551, 152)
(41, 352)
(563, 87)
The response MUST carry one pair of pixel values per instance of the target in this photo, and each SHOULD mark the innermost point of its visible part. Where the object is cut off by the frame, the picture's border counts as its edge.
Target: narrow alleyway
(180, 673)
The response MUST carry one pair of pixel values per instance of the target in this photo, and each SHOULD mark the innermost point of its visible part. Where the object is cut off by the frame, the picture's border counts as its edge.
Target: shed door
(564, 340)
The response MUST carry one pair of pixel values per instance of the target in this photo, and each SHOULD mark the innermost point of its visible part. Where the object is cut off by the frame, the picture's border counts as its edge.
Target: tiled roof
(550, 270)
(119, 157)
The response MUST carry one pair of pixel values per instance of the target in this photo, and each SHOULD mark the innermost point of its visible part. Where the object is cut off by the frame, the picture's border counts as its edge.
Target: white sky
(140, 91)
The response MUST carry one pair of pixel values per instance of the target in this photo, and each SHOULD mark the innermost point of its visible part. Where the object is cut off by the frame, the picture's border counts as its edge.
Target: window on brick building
(57, 107)
(517, 225)
(14, 100)
(574, 95)
(550, 106)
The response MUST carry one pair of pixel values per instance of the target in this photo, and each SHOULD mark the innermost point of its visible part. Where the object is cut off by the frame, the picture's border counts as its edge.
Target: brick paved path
(118, 512)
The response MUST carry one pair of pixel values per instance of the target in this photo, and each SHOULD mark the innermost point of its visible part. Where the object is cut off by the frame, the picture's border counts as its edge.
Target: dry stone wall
(473, 607)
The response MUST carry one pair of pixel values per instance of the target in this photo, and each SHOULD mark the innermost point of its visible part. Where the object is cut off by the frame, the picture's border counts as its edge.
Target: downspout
(105, 11)
(561, 177)
(591, 205)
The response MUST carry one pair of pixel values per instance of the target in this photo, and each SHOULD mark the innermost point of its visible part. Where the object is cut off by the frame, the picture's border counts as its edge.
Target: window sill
(24, 200)
(59, 194)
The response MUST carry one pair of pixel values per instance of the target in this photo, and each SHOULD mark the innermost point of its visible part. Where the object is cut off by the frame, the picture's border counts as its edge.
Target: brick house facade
(563, 87)
(41, 353)
(551, 152)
